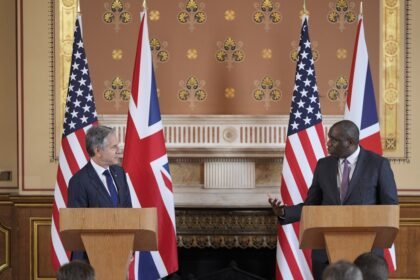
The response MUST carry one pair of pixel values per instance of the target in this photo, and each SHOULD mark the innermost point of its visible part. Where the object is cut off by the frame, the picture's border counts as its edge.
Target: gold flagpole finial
(78, 7)
(144, 5)
(304, 12)
(361, 8)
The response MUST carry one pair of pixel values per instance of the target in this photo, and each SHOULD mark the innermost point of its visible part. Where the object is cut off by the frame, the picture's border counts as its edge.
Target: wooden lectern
(109, 236)
(348, 231)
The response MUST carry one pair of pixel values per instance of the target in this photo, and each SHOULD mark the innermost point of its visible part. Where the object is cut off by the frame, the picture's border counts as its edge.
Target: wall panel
(28, 219)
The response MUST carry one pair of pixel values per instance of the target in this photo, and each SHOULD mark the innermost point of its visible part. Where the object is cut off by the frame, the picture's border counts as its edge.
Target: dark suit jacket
(86, 190)
(372, 183)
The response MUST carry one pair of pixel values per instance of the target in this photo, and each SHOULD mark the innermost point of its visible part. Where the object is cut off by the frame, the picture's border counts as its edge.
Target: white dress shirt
(100, 171)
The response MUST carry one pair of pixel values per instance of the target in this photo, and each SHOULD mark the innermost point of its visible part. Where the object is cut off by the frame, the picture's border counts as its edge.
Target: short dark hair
(76, 270)
(342, 270)
(95, 138)
(349, 129)
(372, 266)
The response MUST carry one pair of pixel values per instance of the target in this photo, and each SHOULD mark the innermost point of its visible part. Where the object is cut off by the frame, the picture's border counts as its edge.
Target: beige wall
(8, 107)
(39, 171)
(407, 174)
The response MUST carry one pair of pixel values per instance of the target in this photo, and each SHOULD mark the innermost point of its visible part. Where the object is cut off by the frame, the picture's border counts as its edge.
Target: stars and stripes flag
(146, 163)
(305, 144)
(79, 116)
(361, 108)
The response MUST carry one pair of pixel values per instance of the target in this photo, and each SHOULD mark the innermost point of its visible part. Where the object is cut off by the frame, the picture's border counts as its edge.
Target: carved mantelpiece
(237, 136)
(225, 228)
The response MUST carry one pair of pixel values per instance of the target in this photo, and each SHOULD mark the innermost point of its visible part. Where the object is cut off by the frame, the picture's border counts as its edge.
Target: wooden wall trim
(27, 220)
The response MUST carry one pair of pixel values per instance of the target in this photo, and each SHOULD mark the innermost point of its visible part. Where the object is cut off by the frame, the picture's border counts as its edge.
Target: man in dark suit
(101, 183)
(351, 175)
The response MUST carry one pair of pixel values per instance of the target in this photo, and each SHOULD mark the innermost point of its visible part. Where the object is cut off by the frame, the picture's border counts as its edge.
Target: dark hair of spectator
(373, 267)
(342, 270)
(76, 270)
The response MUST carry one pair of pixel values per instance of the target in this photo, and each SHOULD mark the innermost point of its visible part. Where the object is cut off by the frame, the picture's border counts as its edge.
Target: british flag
(147, 166)
(361, 108)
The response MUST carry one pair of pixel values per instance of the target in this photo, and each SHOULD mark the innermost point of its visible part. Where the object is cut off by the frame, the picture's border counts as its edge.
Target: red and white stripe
(302, 152)
(72, 158)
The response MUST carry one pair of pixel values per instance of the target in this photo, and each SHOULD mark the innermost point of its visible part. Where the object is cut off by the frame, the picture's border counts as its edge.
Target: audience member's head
(342, 270)
(76, 270)
(373, 267)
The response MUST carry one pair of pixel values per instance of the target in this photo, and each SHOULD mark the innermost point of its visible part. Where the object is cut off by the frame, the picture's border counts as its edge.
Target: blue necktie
(111, 187)
(345, 180)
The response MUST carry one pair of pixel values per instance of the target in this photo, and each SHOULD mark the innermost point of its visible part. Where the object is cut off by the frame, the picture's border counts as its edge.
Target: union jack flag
(79, 116)
(361, 108)
(147, 166)
(305, 144)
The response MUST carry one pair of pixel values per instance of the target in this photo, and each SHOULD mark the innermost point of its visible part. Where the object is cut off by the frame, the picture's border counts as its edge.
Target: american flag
(361, 108)
(79, 116)
(305, 144)
(147, 166)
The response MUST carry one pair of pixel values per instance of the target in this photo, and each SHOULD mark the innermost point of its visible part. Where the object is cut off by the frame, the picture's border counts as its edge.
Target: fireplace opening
(223, 263)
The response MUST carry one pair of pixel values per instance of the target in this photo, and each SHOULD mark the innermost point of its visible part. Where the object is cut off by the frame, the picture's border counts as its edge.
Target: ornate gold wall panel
(392, 78)
(67, 12)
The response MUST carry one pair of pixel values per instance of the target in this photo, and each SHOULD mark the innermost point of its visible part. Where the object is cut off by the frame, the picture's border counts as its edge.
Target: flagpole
(144, 5)
(79, 16)
(361, 8)
(305, 13)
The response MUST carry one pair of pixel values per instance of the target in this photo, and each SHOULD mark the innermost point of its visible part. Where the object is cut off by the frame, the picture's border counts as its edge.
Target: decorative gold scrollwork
(342, 13)
(267, 91)
(230, 52)
(230, 93)
(192, 91)
(338, 90)
(192, 13)
(230, 15)
(118, 90)
(117, 13)
(267, 13)
(160, 54)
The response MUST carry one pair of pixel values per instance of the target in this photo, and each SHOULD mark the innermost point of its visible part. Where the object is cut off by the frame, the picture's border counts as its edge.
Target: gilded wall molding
(5, 236)
(67, 12)
(409, 222)
(393, 78)
(34, 224)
